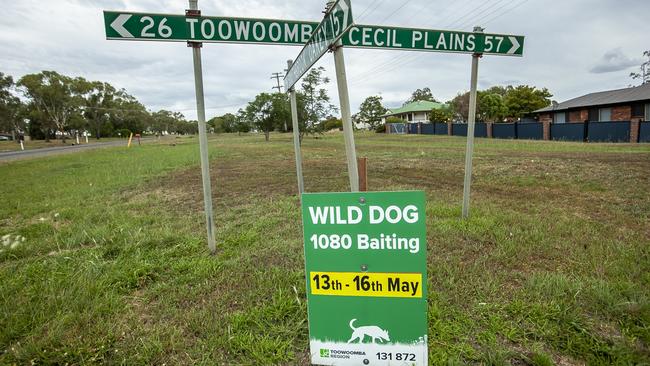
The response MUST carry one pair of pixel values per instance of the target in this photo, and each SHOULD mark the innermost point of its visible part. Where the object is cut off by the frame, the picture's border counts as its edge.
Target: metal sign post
(471, 121)
(203, 137)
(346, 116)
(296, 137)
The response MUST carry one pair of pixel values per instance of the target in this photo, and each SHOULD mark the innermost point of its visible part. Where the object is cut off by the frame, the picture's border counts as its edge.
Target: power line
(395, 11)
(405, 59)
(277, 76)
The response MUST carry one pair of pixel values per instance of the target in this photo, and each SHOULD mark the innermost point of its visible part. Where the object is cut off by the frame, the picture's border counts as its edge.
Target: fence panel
(427, 129)
(398, 128)
(568, 131)
(504, 130)
(609, 131)
(459, 129)
(413, 128)
(530, 131)
(480, 129)
(440, 128)
(644, 132)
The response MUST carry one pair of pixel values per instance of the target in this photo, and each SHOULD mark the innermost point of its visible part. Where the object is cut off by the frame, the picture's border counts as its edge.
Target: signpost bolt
(364, 268)
(366, 361)
(362, 200)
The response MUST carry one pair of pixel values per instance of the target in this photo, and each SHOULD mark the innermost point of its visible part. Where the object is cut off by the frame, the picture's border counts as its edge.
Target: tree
(165, 121)
(242, 124)
(11, 109)
(460, 106)
(223, 124)
(332, 123)
(644, 75)
(524, 99)
(315, 99)
(129, 114)
(55, 96)
(370, 111)
(421, 94)
(258, 112)
(491, 106)
(99, 103)
(443, 114)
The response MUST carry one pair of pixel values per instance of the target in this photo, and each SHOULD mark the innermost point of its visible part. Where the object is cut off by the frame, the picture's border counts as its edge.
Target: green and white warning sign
(365, 260)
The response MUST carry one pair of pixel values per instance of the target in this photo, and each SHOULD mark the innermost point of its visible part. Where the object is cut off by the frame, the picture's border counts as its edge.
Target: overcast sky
(572, 47)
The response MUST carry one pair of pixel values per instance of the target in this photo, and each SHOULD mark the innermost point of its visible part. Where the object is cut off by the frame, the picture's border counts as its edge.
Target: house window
(647, 112)
(559, 117)
(605, 114)
(410, 117)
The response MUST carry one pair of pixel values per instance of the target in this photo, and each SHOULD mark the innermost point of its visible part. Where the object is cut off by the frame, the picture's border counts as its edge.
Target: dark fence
(614, 131)
(480, 129)
(440, 128)
(644, 132)
(504, 130)
(609, 131)
(427, 129)
(398, 128)
(459, 129)
(568, 131)
(530, 131)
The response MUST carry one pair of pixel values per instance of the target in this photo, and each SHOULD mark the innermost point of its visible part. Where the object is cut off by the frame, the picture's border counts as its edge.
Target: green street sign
(365, 266)
(395, 38)
(181, 28)
(337, 21)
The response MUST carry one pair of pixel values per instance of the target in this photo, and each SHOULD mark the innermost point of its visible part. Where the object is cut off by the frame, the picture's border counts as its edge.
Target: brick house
(629, 104)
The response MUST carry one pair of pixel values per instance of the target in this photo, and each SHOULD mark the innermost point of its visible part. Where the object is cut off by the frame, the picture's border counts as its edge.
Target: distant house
(413, 112)
(612, 105)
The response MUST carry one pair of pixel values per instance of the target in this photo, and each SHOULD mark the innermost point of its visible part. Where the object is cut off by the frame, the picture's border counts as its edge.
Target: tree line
(269, 112)
(495, 104)
(49, 105)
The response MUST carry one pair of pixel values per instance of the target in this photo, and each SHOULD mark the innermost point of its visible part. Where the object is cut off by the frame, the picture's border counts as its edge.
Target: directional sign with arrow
(168, 27)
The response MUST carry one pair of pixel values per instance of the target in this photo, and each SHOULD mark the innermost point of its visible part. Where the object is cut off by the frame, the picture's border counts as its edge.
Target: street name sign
(366, 278)
(121, 25)
(395, 38)
(338, 19)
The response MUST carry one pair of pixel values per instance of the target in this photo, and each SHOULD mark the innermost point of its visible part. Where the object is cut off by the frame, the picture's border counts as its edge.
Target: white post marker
(22, 146)
(296, 137)
(346, 116)
(77, 136)
(86, 136)
(203, 139)
(471, 119)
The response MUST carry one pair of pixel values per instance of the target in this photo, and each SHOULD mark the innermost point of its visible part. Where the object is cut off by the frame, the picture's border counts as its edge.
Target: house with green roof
(413, 112)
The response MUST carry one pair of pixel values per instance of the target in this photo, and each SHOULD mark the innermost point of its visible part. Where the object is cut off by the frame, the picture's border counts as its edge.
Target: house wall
(578, 116)
(546, 117)
(622, 113)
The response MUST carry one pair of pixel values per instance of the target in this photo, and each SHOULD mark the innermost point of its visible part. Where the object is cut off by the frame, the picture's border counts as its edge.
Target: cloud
(614, 60)
(68, 36)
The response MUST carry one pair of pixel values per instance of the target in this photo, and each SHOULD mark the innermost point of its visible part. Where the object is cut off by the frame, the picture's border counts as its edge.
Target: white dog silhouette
(372, 331)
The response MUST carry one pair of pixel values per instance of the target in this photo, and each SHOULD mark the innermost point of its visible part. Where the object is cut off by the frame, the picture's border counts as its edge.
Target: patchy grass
(553, 267)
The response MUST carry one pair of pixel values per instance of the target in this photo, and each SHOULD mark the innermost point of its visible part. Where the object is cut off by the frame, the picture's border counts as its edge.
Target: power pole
(277, 76)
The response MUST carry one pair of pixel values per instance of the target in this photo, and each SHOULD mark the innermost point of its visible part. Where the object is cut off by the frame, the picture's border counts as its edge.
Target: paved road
(37, 153)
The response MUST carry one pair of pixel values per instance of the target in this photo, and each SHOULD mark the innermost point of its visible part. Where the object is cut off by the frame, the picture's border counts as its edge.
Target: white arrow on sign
(515, 45)
(118, 25)
(346, 11)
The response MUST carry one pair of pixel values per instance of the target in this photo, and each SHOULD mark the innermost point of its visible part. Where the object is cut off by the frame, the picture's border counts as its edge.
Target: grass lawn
(553, 267)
